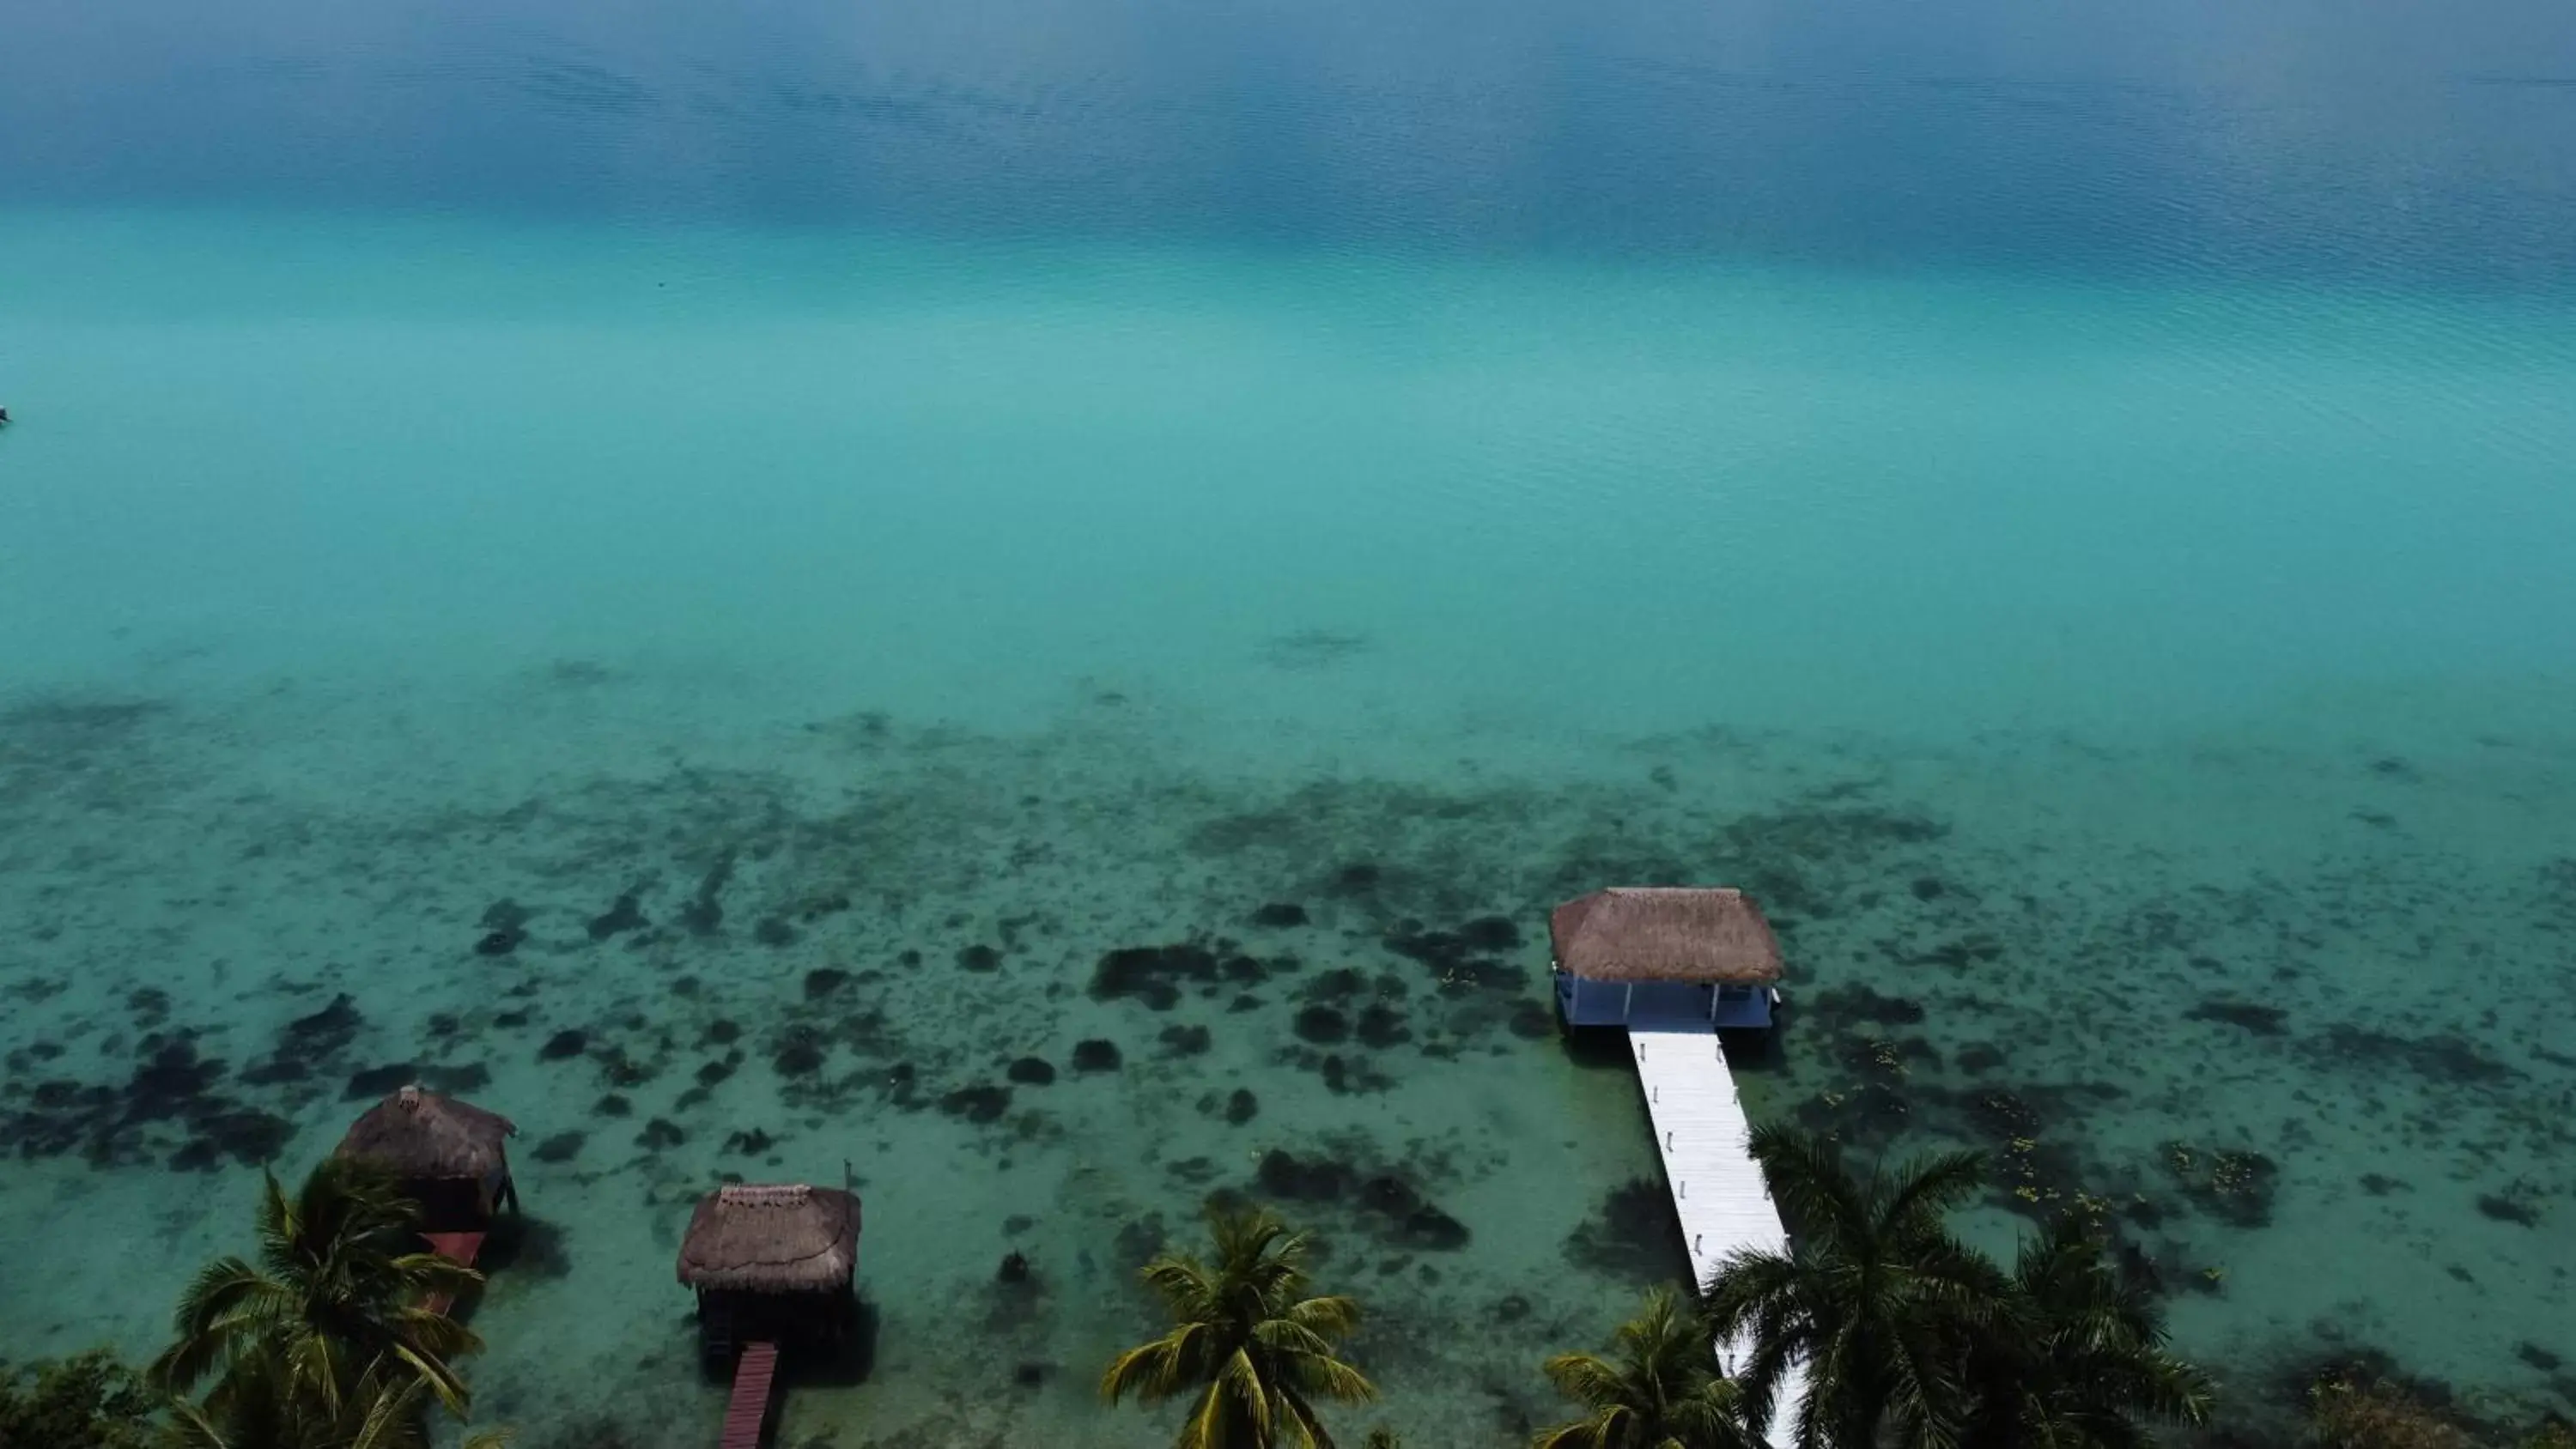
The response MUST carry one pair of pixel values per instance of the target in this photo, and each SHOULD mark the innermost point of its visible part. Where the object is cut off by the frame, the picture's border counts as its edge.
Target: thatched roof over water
(772, 1239)
(423, 1136)
(1665, 933)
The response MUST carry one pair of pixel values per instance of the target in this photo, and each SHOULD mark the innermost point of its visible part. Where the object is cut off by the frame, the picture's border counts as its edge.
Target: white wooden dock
(1717, 1188)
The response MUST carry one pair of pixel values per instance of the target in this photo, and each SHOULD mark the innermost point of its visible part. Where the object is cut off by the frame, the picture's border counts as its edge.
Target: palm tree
(2088, 1362)
(1259, 1354)
(1873, 1296)
(262, 1409)
(326, 1328)
(1663, 1392)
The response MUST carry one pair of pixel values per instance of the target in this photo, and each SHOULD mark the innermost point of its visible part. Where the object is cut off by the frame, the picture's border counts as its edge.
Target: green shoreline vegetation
(1911, 1340)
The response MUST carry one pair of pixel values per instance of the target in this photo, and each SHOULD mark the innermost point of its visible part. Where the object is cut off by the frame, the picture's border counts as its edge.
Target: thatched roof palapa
(1666, 933)
(772, 1239)
(425, 1137)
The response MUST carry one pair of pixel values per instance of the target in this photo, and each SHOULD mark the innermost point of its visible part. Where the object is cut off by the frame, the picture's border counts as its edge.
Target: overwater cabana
(1637, 955)
(773, 1266)
(450, 1156)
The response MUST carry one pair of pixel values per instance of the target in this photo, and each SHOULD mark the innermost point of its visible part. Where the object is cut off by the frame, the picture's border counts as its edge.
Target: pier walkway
(457, 1247)
(748, 1410)
(1717, 1189)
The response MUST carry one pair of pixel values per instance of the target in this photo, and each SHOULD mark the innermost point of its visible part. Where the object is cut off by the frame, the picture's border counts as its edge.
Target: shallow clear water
(2069, 509)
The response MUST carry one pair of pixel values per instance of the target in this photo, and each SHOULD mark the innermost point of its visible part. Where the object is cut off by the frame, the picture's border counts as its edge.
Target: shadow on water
(526, 1248)
(1756, 1051)
(842, 1362)
(840, 1365)
(1595, 1048)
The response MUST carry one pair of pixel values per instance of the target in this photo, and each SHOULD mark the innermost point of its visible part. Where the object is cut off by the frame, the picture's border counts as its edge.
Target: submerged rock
(624, 915)
(1382, 1026)
(800, 1053)
(562, 1147)
(1408, 1219)
(504, 925)
(1282, 1174)
(1152, 974)
(979, 1104)
(2234, 1186)
(1634, 1236)
(1322, 1025)
(2260, 1020)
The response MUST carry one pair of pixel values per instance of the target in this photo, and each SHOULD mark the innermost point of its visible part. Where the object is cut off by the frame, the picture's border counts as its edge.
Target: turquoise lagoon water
(2078, 527)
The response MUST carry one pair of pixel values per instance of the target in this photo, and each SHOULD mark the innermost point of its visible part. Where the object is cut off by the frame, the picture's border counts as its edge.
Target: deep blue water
(2398, 142)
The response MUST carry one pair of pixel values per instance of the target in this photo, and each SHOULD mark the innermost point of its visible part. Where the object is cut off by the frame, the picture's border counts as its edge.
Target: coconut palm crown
(1259, 1355)
(2089, 1365)
(1662, 1391)
(328, 1320)
(1873, 1295)
(261, 1408)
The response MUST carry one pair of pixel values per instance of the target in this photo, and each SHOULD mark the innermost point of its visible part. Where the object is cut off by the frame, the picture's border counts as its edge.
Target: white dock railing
(1717, 1187)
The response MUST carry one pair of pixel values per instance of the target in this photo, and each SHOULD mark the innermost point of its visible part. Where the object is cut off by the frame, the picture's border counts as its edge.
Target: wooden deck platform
(459, 1247)
(748, 1410)
(1717, 1188)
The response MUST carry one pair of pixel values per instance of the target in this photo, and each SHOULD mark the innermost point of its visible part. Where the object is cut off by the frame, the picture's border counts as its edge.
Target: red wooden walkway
(750, 1406)
(462, 1247)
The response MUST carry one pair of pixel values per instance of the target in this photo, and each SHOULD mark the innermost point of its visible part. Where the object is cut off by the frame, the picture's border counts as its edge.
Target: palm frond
(1806, 1176)
(205, 1325)
(189, 1428)
(1926, 1187)
(441, 1381)
(1599, 1429)
(390, 1420)
(1585, 1378)
(1327, 1377)
(1149, 1371)
(1328, 1317)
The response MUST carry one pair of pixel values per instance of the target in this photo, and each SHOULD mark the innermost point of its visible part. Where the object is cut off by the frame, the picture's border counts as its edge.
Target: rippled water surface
(873, 546)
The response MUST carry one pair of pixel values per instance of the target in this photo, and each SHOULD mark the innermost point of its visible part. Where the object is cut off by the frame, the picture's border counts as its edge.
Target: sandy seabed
(2288, 1009)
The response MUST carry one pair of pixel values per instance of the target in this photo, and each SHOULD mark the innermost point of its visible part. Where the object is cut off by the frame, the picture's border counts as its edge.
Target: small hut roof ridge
(1665, 933)
(771, 1238)
(422, 1136)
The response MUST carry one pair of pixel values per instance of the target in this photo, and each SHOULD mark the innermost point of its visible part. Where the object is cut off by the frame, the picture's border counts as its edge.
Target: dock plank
(1717, 1187)
(462, 1248)
(748, 1409)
